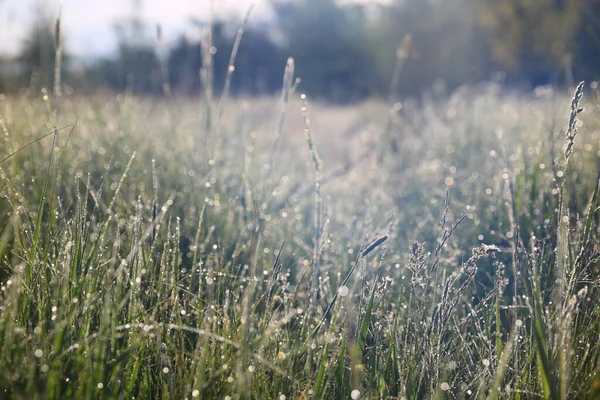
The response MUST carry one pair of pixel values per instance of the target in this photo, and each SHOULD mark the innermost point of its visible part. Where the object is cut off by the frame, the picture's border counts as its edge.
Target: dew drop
(343, 291)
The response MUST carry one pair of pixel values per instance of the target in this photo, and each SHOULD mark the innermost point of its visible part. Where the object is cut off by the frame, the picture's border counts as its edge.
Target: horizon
(90, 32)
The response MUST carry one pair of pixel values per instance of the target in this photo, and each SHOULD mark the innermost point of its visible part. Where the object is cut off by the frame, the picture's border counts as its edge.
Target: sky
(88, 25)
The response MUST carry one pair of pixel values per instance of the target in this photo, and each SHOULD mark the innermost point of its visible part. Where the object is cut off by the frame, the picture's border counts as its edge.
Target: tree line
(343, 51)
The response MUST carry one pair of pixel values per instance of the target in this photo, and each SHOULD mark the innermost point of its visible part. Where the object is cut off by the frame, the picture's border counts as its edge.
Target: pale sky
(88, 24)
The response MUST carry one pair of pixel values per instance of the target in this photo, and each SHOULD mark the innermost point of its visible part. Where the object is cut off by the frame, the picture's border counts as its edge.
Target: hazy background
(89, 24)
(344, 50)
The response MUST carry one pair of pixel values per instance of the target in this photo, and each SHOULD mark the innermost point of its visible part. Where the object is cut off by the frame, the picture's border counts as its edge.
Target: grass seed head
(374, 244)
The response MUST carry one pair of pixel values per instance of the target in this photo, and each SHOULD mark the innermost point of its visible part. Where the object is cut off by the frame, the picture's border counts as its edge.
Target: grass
(448, 249)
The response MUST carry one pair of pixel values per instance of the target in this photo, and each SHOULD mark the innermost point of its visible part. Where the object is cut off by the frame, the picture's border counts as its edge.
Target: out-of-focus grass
(139, 250)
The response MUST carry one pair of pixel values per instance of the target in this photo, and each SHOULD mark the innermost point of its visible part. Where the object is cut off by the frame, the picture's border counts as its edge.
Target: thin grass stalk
(196, 243)
(231, 68)
(120, 184)
(154, 200)
(503, 364)
(366, 320)
(34, 141)
(206, 74)
(592, 209)
(320, 387)
(275, 273)
(545, 374)
(401, 56)
(164, 68)
(566, 268)
(286, 92)
(57, 89)
(35, 245)
(360, 257)
(499, 344)
(315, 265)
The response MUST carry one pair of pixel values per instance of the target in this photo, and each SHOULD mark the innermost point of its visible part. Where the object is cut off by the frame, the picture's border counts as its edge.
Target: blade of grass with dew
(503, 365)
(499, 344)
(314, 285)
(366, 320)
(231, 68)
(206, 75)
(286, 92)
(319, 389)
(592, 208)
(38, 229)
(544, 369)
(53, 132)
(341, 368)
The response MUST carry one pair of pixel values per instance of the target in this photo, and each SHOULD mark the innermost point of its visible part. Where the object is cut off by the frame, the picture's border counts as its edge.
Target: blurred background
(344, 51)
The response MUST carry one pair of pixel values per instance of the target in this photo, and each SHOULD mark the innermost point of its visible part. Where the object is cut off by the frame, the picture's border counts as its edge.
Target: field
(288, 249)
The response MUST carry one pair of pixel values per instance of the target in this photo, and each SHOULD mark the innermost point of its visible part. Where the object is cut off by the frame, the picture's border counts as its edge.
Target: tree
(259, 62)
(445, 46)
(328, 44)
(531, 39)
(36, 58)
(136, 66)
(587, 42)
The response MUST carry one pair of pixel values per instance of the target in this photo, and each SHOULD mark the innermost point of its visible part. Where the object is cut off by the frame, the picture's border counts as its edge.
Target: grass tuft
(138, 264)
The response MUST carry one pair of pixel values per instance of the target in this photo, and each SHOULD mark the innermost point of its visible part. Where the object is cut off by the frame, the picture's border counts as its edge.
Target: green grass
(152, 251)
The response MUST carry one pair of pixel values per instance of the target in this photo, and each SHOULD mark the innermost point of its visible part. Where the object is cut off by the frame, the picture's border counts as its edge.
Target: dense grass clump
(446, 249)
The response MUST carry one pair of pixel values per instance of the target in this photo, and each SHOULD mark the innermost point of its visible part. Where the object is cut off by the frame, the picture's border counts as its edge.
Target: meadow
(283, 248)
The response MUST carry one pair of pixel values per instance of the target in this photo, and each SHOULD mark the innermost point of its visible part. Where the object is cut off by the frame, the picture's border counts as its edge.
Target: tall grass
(459, 262)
